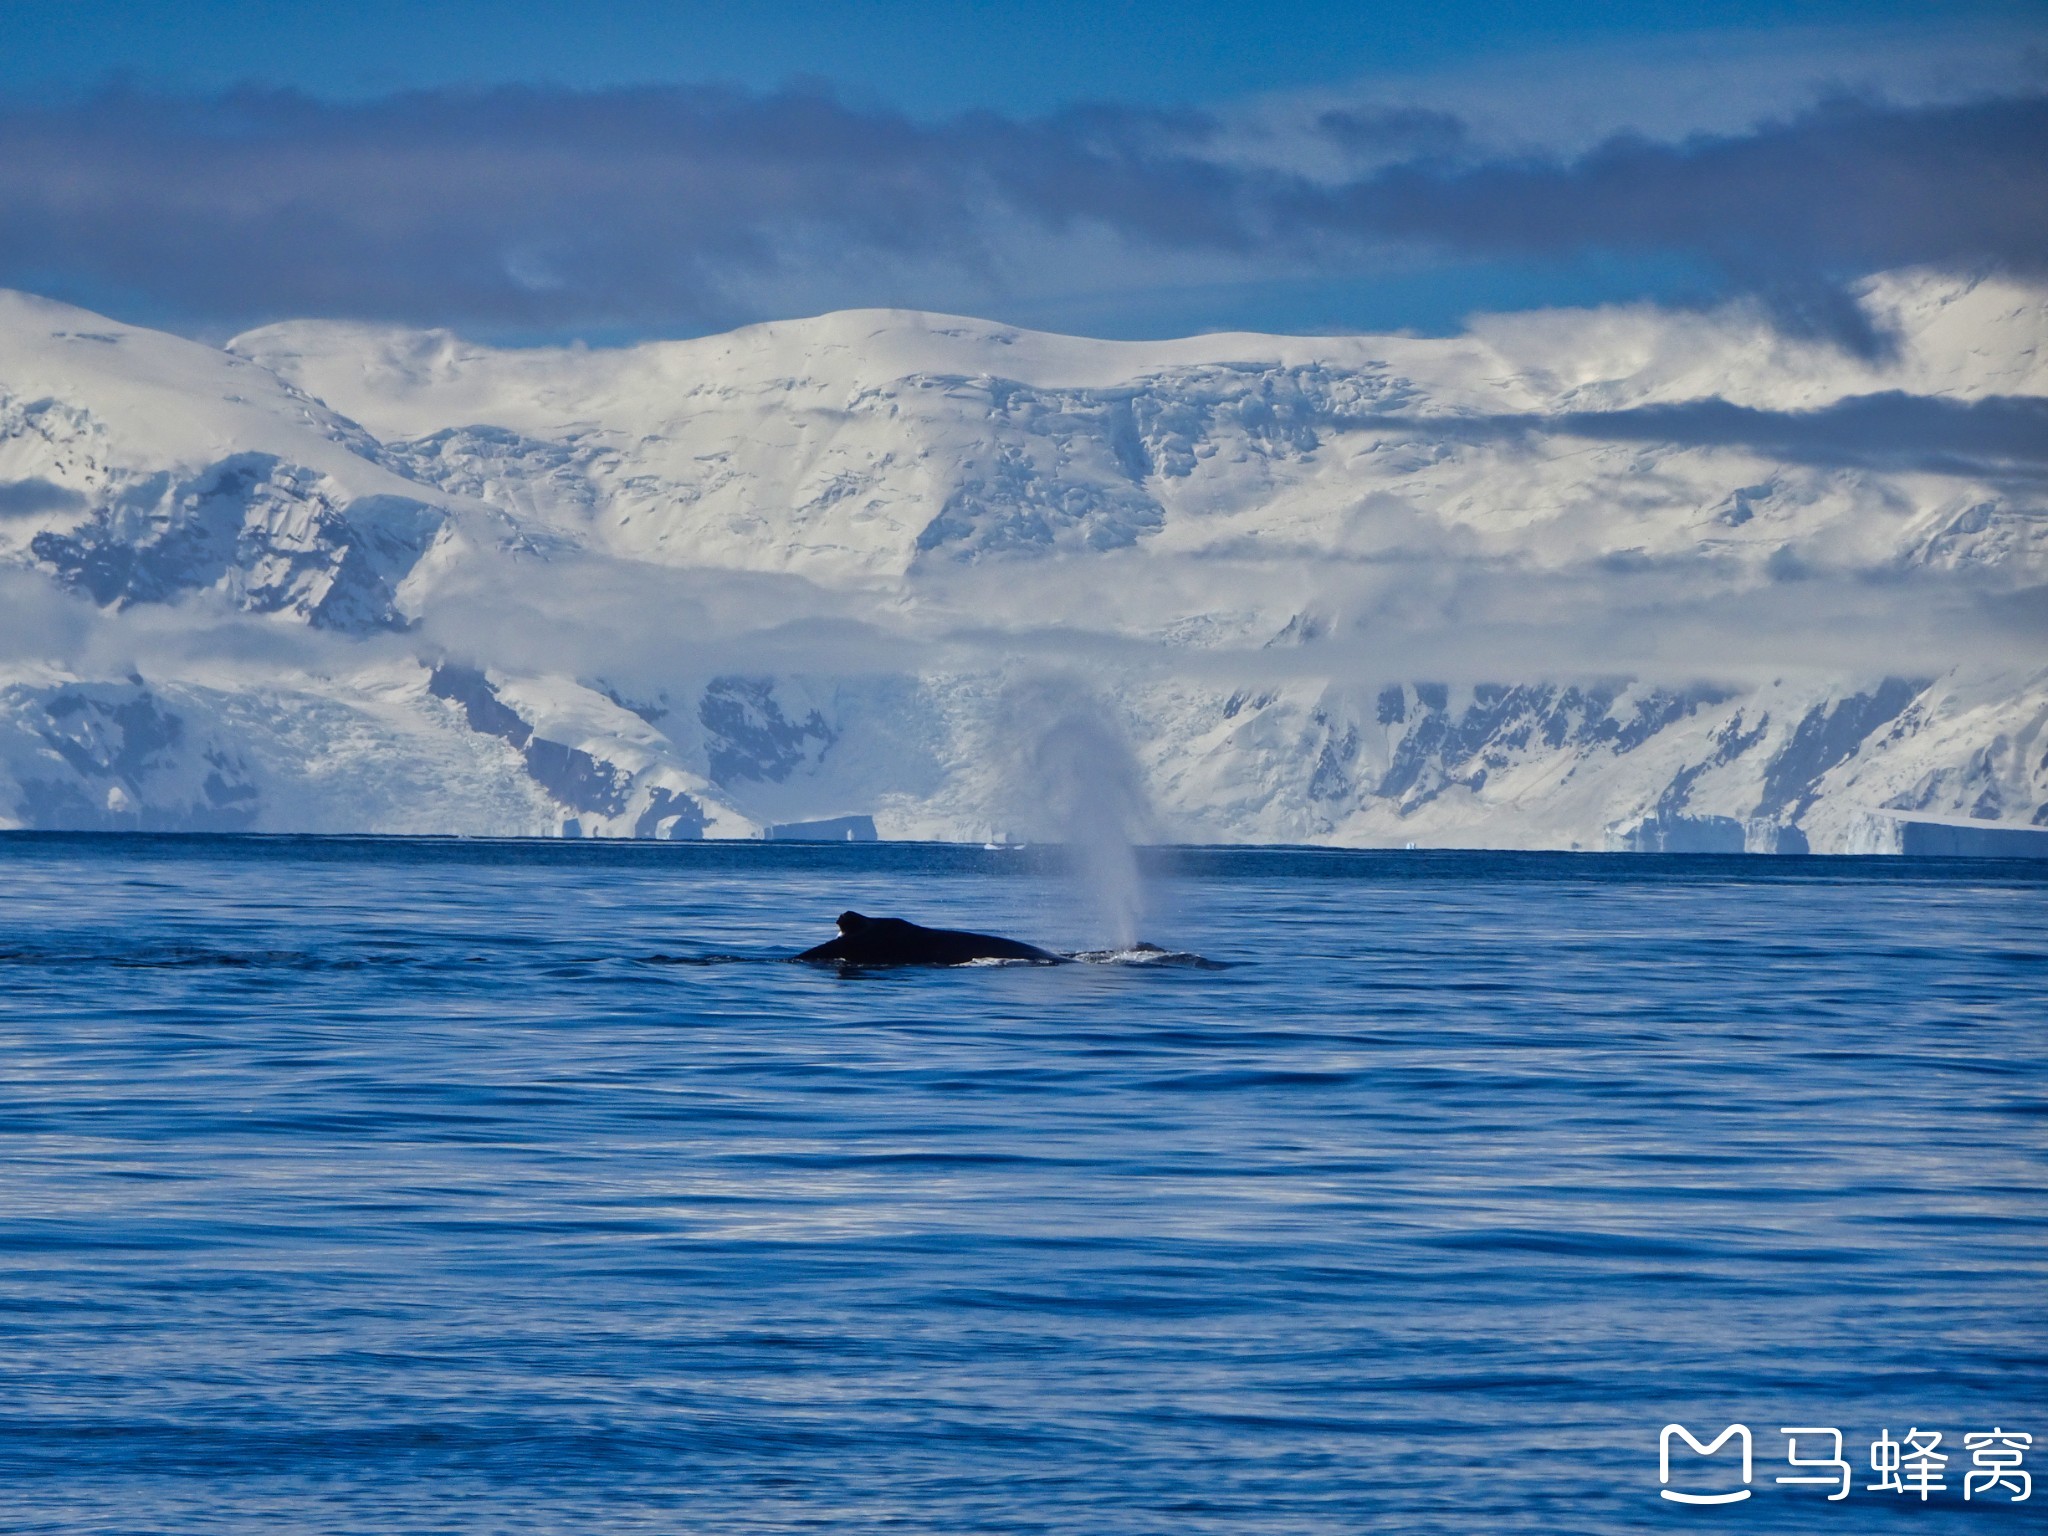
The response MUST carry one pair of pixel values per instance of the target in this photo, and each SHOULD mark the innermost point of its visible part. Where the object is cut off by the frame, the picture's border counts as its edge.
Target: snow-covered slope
(1619, 578)
(139, 467)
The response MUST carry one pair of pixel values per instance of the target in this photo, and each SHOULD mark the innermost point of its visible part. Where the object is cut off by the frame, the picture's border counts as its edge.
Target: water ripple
(363, 1185)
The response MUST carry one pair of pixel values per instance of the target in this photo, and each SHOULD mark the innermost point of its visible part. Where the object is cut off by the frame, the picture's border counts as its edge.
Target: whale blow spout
(891, 941)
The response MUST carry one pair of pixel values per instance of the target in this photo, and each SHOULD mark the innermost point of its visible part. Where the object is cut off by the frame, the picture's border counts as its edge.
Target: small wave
(1150, 954)
(169, 959)
(1138, 955)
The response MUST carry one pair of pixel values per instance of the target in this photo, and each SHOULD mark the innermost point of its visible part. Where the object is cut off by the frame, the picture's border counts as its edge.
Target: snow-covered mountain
(1618, 578)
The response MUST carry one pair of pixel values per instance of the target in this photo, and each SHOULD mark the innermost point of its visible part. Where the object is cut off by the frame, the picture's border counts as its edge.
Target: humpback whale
(892, 941)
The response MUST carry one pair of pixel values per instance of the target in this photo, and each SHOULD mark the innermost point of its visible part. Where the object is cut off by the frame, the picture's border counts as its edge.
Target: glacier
(1627, 578)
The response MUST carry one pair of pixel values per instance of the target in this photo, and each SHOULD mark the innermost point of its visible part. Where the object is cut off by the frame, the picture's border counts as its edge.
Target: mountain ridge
(1614, 578)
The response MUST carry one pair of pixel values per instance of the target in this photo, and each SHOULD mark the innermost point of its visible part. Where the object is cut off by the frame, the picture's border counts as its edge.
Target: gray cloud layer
(672, 208)
(1997, 437)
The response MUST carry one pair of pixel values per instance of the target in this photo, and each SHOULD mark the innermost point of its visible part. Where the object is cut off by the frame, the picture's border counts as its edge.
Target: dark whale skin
(879, 941)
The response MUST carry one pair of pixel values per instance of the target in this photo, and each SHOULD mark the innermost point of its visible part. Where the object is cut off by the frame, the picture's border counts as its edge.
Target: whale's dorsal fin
(852, 922)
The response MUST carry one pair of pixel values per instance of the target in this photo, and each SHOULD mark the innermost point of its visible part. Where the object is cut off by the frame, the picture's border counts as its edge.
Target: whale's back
(882, 941)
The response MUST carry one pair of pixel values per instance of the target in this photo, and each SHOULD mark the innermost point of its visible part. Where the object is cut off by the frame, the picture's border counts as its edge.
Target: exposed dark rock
(1729, 743)
(1020, 492)
(1009, 505)
(124, 736)
(481, 706)
(1438, 751)
(131, 770)
(683, 816)
(653, 714)
(1740, 505)
(576, 779)
(1331, 780)
(749, 739)
(1829, 735)
(272, 537)
(379, 541)
(1302, 629)
(501, 467)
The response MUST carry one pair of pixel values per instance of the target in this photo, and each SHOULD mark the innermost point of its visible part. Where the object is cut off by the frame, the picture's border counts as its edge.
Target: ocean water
(367, 1186)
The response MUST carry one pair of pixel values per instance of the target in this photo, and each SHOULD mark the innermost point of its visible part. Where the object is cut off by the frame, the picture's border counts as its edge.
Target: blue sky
(925, 58)
(1131, 168)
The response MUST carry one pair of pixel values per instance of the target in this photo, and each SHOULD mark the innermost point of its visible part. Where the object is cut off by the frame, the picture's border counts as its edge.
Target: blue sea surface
(390, 1186)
